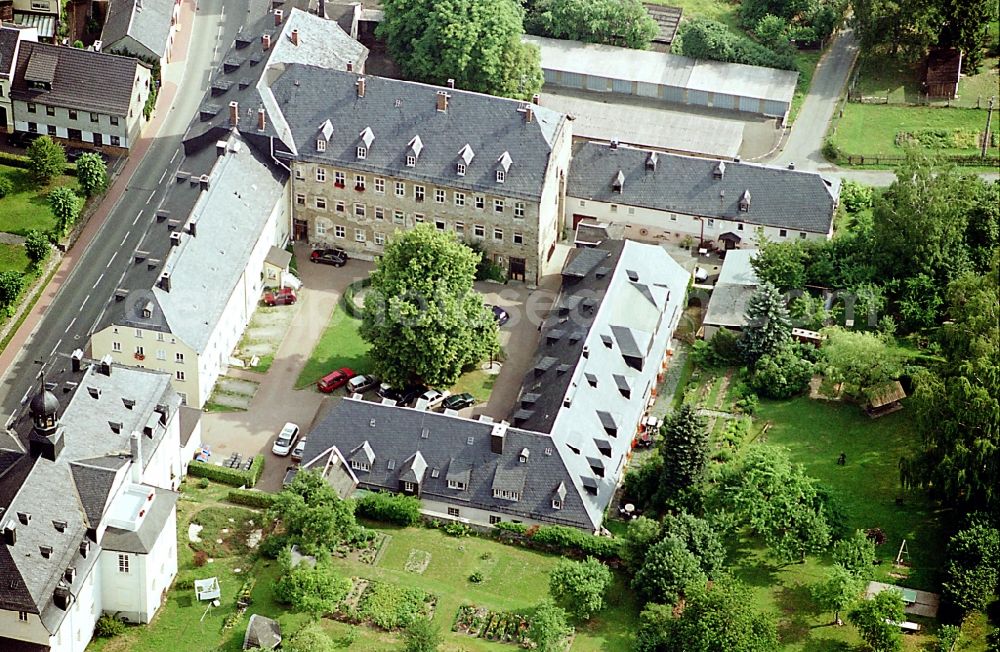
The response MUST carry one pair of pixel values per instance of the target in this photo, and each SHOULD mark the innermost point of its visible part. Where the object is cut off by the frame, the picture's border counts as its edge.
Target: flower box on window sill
(338, 184)
(359, 188)
(139, 356)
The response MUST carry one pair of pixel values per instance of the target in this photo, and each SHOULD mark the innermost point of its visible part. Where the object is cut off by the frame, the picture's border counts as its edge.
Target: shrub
(456, 529)
(613, 22)
(200, 558)
(393, 508)
(232, 477)
(65, 206)
(476, 577)
(830, 151)
(47, 159)
(707, 39)
(272, 546)
(6, 187)
(568, 538)
(36, 245)
(251, 497)
(391, 607)
(511, 526)
(186, 584)
(204, 483)
(92, 173)
(782, 374)
(855, 196)
(108, 626)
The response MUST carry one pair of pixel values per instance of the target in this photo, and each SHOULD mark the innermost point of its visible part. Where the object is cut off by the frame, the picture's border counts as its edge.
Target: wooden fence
(878, 159)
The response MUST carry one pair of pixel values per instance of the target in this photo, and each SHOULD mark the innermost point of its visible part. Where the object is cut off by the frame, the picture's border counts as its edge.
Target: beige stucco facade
(139, 347)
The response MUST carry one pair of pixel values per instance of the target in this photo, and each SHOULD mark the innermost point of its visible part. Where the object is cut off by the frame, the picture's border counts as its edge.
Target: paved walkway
(277, 401)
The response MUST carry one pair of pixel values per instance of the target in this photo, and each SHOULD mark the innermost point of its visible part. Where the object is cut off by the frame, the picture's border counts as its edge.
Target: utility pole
(986, 135)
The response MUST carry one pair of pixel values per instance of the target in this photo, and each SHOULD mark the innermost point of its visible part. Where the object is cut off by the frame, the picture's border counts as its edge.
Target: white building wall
(78, 626)
(650, 225)
(439, 509)
(551, 204)
(164, 469)
(159, 567)
(31, 630)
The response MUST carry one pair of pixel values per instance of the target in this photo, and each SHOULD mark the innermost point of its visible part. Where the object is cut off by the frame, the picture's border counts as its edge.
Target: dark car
(22, 138)
(335, 379)
(280, 297)
(402, 397)
(499, 314)
(459, 401)
(336, 257)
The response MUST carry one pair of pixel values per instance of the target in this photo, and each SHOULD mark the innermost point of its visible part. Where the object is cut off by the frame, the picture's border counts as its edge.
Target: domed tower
(46, 436)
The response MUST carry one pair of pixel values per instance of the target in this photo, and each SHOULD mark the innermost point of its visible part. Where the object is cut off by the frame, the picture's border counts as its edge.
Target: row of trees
(624, 23)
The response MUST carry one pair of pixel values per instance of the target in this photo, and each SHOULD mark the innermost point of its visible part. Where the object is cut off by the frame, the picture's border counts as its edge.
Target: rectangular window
(31, 107)
(400, 189)
(320, 228)
(409, 486)
(498, 234)
(439, 196)
(116, 346)
(359, 182)
(116, 141)
(441, 225)
(460, 169)
(114, 121)
(460, 199)
(50, 111)
(339, 179)
(339, 231)
(556, 503)
(299, 174)
(501, 176)
(711, 224)
(161, 354)
(180, 375)
(460, 228)
(453, 511)
(398, 217)
(418, 218)
(22, 616)
(72, 114)
(359, 210)
(497, 205)
(614, 208)
(122, 563)
(359, 465)
(52, 130)
(321, 203)
(340, 207)
(783, 233)
(480, 202)
(418, 193)
(518, 238)
(802, 235)
(411, 161)
(479, 231)
(379, 213)
(379, 238)
(138, 334)
(362, 152)
(300, 199)
(93, 117)
(494, 519)
(359, 235)
(179, 358)
(380, 185)
(320, 145)
(321, 175)
(519, 209)
(456, 484)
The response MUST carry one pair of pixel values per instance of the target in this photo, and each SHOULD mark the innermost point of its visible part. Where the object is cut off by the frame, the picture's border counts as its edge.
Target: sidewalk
(114, 194)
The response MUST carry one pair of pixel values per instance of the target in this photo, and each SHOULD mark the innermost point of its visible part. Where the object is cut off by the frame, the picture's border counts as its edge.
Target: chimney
(203, 180)
(261, 119)
(135, 447)
(350, 66)
(614, 144)
(69, 575)
(529, 113)
(496, 438)
(163, 411)
(278, 14)
(60, 598)
(442, 101)
(193, 228)
(451, 83)
(361, 86)
(234, 113)
(104, 367)
(294, 36)
(84, 548)
(265, 42)
(10, 533)
(76, 359)
(535, 98)
(165, 282)
(175, 239)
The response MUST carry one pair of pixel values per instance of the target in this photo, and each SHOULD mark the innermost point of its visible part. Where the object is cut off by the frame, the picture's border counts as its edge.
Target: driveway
(276, 400)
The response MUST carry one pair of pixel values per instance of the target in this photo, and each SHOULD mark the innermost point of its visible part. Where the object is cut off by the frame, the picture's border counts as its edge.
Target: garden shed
(667, 77)
(263, 633)
(885, 399)
(942, 70)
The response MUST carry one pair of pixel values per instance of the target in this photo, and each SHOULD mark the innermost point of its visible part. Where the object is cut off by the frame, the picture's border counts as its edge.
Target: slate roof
(397, 435)
(66, 498)
(82, 80)
(728, 304)
(781, 198)
(8, 49)
(399, 111)
(146, 21)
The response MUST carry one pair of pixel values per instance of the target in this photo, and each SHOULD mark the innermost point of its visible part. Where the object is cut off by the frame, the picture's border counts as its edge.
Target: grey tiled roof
(84, 80)
(727, 305)
(781, 198)
(146, 21)
(93, 485)
(398, 111)
(397, 435)
(8, 46)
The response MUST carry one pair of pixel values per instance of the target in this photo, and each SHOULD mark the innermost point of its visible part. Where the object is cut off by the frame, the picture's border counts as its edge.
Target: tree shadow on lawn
(796, 606)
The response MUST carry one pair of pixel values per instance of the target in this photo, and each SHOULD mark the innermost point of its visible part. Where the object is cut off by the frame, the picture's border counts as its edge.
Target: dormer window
(320, 145)
(359, 465)
(745, 201)
(507, 495)
(618, 182)
(362, 152)
(501, 176)
(556, 503)
(415, 146)
(411, 161)
(503, 164)
(460, 169)
(720, 170)
(455, 484)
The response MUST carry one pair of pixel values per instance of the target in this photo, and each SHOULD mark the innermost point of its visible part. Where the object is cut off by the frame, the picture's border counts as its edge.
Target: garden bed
(385, 605)
(499, 626)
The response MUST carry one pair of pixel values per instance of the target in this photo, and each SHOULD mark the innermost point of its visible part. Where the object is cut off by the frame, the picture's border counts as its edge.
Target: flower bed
(499, 626)
(385, 605)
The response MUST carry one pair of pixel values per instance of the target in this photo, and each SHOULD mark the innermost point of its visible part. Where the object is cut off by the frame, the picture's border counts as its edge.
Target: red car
(334, 380)
(280, 297)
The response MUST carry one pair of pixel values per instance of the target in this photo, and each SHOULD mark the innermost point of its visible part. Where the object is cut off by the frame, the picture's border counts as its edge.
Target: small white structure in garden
(207, 589)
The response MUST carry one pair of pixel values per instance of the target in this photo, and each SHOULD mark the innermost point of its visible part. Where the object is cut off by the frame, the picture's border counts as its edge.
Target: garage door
(674, 94)
(775, 108)
(724, 101)
(621, 86)
(750, 104)
(571, 79)
(551, 76)
(698, 98)
(595, 83)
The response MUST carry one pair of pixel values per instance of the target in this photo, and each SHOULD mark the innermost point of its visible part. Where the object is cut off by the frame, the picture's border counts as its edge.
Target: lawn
(13, 258)
(478, 383)
(340, 346)
(718, 10)
(27, 207)
(871, 129)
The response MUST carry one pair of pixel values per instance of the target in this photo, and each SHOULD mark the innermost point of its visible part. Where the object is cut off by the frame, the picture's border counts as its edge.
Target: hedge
(22, 161)
(225, 475)
(347, 299)
(398, 509)
(563, 537)
(251, 498)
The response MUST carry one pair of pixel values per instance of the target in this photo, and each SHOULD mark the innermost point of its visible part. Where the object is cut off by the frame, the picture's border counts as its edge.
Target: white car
(431, 399)
(286, 440)
(299, 450)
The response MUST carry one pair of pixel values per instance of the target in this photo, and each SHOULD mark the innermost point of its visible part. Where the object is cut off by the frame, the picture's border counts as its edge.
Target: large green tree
(855, 553)
(768, 326)
(700, 538)
(876, 620)
(684, 448)
(422, 317)
(37, 246)
(902, 28)
(315, 589)
(782, 373)
(614, 22)
(640, 535)
(11, 285)
(92, 173)
(313, 514)
(311, 637)
(670, 571)
(966, 26)
(422, 635)
(65, 206)
(838, 591)
(973, 571)
(777, 501)
(478, 44)
(861, 360)
(548, 627)
(580, 586)
(718, 618)
(47, 159)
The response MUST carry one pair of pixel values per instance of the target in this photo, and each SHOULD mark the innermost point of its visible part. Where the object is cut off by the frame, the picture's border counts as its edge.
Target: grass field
(27, 207)
(718, 10)
(478, 383)
(340, 346)
(13, 258)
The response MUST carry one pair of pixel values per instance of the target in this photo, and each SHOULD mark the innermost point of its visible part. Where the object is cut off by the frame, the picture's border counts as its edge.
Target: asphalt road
(88, 291)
